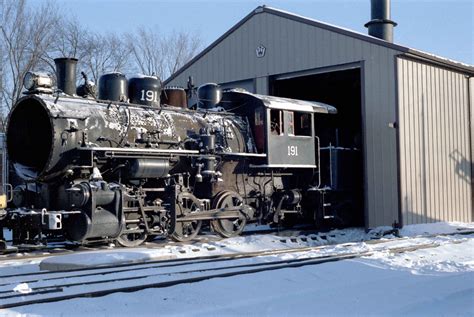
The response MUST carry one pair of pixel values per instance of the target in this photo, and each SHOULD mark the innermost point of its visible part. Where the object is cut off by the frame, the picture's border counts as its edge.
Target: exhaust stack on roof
(381, 26)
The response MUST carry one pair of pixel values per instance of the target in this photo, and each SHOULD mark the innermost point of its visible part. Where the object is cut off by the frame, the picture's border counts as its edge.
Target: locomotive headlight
(33, 80)
(29, 81)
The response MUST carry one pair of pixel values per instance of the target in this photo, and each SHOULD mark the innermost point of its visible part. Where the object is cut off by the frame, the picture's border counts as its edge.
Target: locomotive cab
(290, 136)
(282, 128)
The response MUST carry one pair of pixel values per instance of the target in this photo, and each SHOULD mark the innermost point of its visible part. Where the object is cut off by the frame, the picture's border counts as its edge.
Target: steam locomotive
(136, 162)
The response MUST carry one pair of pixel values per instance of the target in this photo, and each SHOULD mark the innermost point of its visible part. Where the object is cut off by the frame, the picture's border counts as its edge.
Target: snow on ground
(434, 228)
(427, 282)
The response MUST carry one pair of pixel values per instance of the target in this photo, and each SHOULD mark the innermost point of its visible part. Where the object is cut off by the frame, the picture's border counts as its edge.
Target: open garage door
(248, 85)
(340, 135)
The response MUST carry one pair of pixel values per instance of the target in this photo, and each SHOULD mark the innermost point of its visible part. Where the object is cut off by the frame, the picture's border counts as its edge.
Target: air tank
(149, 168)
(144, 90)
(113, 87)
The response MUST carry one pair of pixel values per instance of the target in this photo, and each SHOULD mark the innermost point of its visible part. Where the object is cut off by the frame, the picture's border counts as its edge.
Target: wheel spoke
(131, 239)
(228, 227)
(185, 231)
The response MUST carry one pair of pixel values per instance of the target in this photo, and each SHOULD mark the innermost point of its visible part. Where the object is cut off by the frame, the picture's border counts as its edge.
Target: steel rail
(246, 269)
(241, 254)
(68, 249)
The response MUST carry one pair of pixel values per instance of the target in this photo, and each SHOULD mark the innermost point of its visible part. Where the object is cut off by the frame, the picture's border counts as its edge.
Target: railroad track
(35, 252)
(288, 235)
(43, 287)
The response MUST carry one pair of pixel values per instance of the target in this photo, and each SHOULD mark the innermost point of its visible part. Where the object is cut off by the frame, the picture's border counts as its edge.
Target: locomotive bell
(144, 90)
(209, 96)
(113, 87)
(87, 89)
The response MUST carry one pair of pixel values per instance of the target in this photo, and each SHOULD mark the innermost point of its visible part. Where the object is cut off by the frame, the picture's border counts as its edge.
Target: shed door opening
(340, 135)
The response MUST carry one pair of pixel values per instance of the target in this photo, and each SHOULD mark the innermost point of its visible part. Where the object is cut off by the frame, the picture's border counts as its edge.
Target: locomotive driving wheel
(132, 239)
(185, 231)
(135, 236)
(228, 227)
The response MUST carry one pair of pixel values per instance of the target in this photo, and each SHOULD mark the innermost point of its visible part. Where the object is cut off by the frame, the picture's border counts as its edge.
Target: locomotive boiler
(126, 167)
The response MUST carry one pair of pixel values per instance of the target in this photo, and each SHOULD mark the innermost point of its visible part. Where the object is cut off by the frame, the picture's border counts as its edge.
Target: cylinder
(66, 74)
(144, 90)
(174, 96)
(380, 25)
(101, 223)
(380, 9)
(113, 87)
(149, 168)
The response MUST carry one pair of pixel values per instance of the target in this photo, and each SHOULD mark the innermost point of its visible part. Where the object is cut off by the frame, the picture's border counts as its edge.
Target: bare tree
(26, 36)
(70, 38)
(30, 39)
(147, 51)
(105, 53)
(179, 48)
(156, 54)
(97, 53)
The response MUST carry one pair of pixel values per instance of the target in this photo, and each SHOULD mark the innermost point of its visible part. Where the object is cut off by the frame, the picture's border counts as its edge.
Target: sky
(441, 27)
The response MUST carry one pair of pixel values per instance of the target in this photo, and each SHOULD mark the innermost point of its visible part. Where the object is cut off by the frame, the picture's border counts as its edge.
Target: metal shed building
(414, 111)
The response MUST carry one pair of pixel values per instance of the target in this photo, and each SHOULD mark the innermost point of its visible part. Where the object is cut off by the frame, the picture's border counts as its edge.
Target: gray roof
(273, 102)
(261, 9)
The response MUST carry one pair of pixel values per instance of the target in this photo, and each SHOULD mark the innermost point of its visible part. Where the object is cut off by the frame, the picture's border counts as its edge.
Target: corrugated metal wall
(435, 143)
(471, 94)
(290, 46)
(294, 46)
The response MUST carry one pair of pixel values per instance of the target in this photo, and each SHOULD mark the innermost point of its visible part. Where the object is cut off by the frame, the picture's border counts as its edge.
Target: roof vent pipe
(381, 26)
(66, 74)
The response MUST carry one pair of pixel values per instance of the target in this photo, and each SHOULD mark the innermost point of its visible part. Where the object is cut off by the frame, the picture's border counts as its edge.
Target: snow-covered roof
(273, 102)
(361, 36)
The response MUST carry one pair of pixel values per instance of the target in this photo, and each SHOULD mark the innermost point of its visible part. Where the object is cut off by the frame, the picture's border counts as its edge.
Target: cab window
(291, 124)
(276, 122)
(259, 129)
(302, 123)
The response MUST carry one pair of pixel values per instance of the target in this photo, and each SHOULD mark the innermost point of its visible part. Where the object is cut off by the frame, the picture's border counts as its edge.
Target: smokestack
(66, 74)
(380, 26)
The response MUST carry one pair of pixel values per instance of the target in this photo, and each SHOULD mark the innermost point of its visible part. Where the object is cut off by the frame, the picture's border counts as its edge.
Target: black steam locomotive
(126, 167)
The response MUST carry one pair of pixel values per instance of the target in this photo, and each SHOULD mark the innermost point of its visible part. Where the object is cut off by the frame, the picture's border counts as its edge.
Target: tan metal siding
(471, 136)
(435, 149)
(294, 46)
